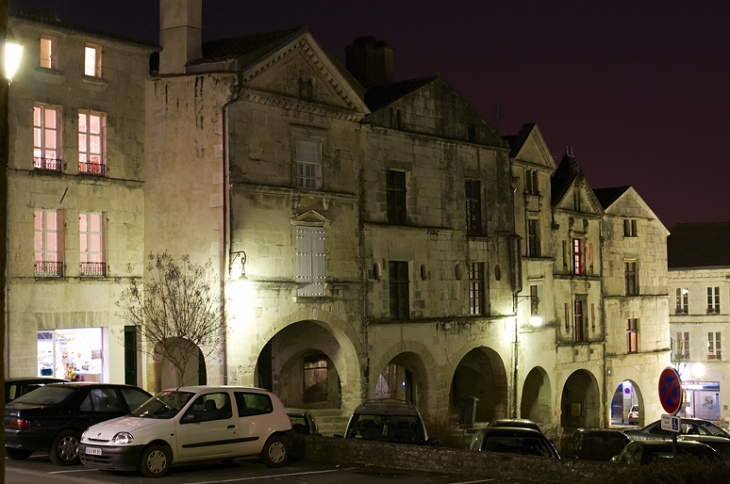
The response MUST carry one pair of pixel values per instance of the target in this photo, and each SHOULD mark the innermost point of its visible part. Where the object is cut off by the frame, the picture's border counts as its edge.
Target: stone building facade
(699, 301)
(373, 238)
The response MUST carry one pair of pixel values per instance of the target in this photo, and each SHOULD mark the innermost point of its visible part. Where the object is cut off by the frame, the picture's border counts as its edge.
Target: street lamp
(12, 53)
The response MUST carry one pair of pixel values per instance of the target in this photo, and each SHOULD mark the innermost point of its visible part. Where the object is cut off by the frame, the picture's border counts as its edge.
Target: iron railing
(48, 269)
(96, 269)
(50, 164)
(92, 169)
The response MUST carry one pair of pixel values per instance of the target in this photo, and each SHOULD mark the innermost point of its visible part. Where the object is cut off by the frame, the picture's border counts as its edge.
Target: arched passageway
(580, 402)
(626, 396)
(404, 378)
(480, 375)
(179, 362)
(536, 398)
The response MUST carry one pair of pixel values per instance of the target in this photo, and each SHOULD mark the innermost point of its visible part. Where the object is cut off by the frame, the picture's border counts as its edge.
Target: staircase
(330, 420)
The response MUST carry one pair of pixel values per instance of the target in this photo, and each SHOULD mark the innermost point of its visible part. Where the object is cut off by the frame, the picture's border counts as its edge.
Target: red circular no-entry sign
(670, 390)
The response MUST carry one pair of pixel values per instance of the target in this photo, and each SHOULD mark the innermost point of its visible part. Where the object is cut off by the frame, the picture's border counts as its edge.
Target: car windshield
(518, 445)
(46, 395)
(386, 428)
(163, 405)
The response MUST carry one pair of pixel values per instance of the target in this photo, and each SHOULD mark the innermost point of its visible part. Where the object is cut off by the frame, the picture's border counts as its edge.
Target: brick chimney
(370, 61)
(181, 24)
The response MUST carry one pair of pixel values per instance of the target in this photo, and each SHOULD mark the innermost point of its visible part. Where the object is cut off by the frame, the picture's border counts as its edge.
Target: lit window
(311, 261)
(92, 134)
(473, 206)
(682, 347)
(578, 257)
(92, 60)
(308, 158)
(682, 301)
(91, 244)
(47, 243)
(47, 137)
(476, 288)
(714, 349)
(47, 54)
(713, 300)
(632, 335)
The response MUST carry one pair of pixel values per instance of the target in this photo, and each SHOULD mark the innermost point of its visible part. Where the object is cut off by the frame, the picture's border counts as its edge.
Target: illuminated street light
(12, 53)
(698, 370)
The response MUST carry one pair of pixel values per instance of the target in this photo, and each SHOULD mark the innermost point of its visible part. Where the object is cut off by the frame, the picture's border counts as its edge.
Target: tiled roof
(250, 46)
(609, 195)
(384, 94)
(699, 245)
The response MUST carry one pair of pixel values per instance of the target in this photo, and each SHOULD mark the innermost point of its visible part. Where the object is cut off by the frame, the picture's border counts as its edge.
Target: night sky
(639, 89)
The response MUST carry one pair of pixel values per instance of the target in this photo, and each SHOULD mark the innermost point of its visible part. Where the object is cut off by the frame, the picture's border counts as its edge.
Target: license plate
(93, 451)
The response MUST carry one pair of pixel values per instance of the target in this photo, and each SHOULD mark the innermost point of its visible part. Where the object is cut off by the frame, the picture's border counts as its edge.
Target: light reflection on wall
(241, 303)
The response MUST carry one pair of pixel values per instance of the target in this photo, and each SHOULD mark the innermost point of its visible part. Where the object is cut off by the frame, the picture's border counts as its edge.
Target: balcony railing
(50, 164)
(92, 169)
(48, 269)
(680, 311)
(713, 310)
(93, 269)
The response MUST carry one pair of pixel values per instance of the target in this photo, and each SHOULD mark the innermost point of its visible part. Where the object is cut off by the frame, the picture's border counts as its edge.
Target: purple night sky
(639, 89)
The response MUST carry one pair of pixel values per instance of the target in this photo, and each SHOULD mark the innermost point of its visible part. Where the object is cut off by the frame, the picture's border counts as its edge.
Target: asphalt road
(39, 470)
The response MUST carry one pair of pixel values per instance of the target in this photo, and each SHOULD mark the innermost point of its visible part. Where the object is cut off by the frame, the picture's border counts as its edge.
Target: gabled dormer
(571, 191)
(532, 163)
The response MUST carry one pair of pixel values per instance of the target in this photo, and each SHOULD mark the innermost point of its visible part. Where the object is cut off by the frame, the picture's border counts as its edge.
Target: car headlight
(123, 438)
(83, 435)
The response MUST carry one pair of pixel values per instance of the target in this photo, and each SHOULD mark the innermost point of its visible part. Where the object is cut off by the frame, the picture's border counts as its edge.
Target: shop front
(74, 354)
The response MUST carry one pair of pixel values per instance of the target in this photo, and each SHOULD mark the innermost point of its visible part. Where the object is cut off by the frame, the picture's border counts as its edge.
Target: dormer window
(92, 60)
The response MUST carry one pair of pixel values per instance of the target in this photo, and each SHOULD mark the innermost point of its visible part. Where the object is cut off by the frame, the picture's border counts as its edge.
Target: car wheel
(17, 454)
(275, 452)
(155, 461)
(65, 448)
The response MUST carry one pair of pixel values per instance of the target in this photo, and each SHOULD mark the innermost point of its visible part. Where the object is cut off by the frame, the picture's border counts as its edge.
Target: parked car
(513, 440)
(514, 422)
(17, 387)
(647, 451)
(720, 444)
(52, 418)
(388, 420)
(302, 421)
(597, 444)
(191, 424)
(634, 415)
(689, 426)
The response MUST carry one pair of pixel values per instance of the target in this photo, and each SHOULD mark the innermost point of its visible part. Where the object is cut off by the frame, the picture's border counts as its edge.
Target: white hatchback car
(190, 424)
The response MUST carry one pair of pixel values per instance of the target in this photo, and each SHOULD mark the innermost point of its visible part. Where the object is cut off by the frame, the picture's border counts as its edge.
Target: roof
(568, 171)
(705, 244)
(606, 196)
(384, 94)
(249, 47)
(518, 140)
(48, 17)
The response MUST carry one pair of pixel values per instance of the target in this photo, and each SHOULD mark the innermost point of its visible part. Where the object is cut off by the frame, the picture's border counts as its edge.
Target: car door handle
(231, 427)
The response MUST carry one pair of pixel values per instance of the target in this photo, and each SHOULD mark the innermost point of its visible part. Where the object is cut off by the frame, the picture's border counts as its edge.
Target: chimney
(180, 34)
(370, 61)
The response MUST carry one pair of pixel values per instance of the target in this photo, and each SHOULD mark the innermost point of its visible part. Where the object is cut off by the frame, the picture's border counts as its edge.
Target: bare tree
(176, 305)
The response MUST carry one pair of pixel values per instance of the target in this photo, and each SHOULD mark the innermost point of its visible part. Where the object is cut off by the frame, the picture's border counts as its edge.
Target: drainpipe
(227, 242)
(606, 404)
(517, 287)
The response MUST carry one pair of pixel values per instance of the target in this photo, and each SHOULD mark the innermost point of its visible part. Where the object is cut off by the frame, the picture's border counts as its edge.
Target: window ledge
(50, 75)
(95, 82)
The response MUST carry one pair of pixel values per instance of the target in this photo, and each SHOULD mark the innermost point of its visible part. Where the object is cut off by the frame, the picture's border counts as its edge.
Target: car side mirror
(189, 418)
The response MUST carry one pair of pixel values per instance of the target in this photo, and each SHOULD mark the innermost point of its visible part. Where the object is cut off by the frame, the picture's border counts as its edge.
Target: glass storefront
(74, 354)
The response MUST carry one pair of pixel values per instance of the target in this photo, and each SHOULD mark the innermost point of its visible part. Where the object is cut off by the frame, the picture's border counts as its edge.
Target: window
(47, 54)
(682, 301)
(714, 350)
(630, 228)
(473, 207)
(632, 335)
(578, 320)
(212, 406)
(399, 305)
(47, 243)
(578, 257)
(713, 300)
(632, 286)
(46, 137)
(315, 378)
(531, 182)
(308, 158)
(682, 346)
(533, 239)
(92, 134)
(91, 244)
(311, 261)
(534, 302)
(576, 200)
(396, 197)
(92, 60)
(476, 288)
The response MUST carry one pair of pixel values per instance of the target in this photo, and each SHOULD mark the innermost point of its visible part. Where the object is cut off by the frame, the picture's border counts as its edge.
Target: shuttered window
(310, 261)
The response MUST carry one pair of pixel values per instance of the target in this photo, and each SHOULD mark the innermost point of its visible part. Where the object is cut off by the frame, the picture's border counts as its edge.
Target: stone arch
(165, 368)
(580, 402)
(626, 395)
(343, 350)
(537, 398)
(480, 374)
(411, 355)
